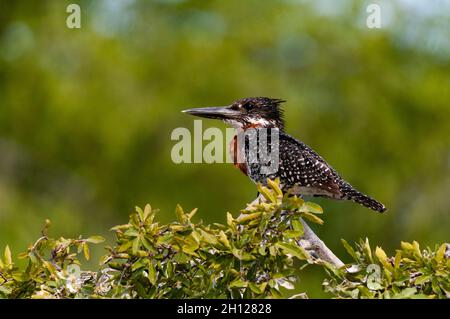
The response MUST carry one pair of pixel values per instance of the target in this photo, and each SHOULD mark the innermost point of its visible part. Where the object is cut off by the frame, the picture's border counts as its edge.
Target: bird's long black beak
(216, 112)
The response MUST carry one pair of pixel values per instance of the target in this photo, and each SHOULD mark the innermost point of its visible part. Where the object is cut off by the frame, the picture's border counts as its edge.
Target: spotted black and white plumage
(301, 170)
(304, 172)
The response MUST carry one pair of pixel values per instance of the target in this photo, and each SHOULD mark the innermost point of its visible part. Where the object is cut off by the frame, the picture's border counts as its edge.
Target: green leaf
(405, 293)
(349, 249)
(147, 212)
(314, 208)
(262, 250)
(257, 289)
(298, 226)
(292, 234)
(417, 248)
(422, 279)
(435, 286)
(313, 218)
(223, 239)
(191, 244)
(140, 212)
(247, 217)
(272, 251)
(398, 259)
(167, 238)
(22, 255)
(275, 186)
(33, 258)
(151, 273)
(382, 257)
(238, 283)
(125, 246)
(276, 293)
(169, 271)
(180, 214)
(119, 228)
(293, 250)
(86, 251)
(134, 220)
(373, 284)
(146, 243)
(295, 202)
(132, 232)
(50, 267)
(95, 239)
(441, 253)
(364, 291)
(242, 255)
(192, 213)
(230, 220)
(140, 263)
(135, 246)
(8, 258)
(406, 246)
(267, 193)
(367, 250)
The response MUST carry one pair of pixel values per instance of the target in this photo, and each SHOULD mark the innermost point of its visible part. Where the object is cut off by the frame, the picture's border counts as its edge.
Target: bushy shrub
(251, 256)
(411, 273)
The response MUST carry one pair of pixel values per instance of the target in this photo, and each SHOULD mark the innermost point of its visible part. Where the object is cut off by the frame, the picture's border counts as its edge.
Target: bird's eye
(242, 106)
(247, 106)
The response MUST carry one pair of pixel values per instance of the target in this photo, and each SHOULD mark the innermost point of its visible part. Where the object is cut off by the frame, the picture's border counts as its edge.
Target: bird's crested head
(247, 112)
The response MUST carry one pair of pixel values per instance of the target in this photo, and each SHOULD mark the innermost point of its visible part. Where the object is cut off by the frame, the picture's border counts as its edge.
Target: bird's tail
(360, 198)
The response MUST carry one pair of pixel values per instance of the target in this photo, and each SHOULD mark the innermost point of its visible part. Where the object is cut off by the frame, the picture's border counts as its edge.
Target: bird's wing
(306, 167)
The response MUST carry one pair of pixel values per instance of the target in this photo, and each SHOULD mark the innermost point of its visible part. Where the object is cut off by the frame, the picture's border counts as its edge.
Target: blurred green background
(86, 114)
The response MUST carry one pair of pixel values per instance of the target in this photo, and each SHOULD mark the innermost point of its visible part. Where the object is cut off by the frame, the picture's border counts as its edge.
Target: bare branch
(311, 242)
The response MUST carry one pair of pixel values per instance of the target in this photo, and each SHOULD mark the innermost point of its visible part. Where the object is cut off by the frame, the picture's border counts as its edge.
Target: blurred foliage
(86, 115)
(252, 256)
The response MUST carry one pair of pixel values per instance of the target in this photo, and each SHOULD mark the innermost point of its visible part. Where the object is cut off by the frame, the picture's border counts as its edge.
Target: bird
(301, 171)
